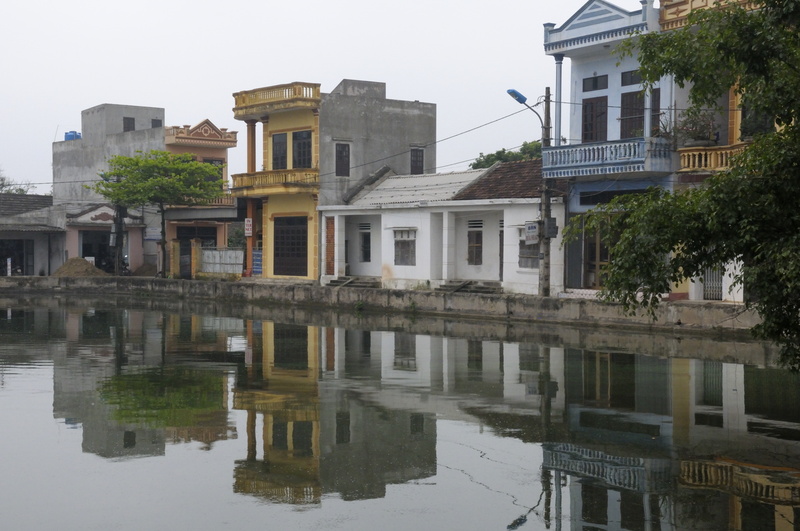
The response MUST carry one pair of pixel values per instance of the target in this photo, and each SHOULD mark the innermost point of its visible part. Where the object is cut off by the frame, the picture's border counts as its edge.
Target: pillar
(251, 146)
(559, 57)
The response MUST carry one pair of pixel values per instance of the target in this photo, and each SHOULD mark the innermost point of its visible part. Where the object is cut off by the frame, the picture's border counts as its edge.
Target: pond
(167, 417)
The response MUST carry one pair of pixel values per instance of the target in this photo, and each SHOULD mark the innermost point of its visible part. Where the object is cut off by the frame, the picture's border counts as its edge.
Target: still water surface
(136, 419)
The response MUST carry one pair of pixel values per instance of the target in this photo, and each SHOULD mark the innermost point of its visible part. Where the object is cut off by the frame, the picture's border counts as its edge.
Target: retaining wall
(687, 315)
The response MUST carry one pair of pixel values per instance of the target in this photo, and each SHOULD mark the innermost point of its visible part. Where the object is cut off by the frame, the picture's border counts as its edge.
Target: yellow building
(316, 147)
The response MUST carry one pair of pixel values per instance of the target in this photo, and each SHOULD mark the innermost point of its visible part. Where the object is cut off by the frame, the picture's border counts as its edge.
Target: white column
(557, 126)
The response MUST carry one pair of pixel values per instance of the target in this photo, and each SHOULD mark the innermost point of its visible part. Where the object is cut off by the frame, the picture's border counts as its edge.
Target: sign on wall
(248, 227)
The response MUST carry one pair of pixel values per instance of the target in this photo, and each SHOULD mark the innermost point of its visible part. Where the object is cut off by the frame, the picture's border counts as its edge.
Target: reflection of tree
(172, 396)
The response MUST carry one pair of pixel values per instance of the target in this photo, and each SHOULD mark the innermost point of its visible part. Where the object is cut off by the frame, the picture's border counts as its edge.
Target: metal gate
(291, 246)
(712, 285)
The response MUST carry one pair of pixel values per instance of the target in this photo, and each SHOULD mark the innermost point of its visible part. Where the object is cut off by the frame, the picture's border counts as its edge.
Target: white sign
(532, 232)
(248, 226)
(152, 234)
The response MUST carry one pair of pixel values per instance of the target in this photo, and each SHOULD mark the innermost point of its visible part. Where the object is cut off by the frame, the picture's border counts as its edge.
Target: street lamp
(544, 236)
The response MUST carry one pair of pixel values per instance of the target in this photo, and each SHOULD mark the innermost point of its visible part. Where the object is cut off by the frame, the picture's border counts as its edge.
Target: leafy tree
(529, 150)
(748, 214)
(7, 186)
(161, 179)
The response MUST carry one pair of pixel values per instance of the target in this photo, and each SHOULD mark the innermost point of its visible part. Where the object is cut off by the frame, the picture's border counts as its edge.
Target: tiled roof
(510, 180)
(34, 227)
(14, 204)
(409, 189)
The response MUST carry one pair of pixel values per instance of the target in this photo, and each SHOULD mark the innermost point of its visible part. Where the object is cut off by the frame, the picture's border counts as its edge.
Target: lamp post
(544, 236)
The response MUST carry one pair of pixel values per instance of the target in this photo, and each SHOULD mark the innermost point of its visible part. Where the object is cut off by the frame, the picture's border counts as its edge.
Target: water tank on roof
(72, 135)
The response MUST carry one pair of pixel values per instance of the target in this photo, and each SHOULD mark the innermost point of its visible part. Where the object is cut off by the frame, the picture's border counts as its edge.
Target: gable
(595, 13)
(205, 130)
(596, 23)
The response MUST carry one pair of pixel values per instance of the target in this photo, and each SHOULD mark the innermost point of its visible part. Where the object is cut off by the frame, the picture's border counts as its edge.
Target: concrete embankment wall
(685, 315)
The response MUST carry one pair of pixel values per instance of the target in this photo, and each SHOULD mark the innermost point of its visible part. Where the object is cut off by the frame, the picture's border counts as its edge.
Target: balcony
(257, 103)
(274, 181)
(632, 157)
(707, 159)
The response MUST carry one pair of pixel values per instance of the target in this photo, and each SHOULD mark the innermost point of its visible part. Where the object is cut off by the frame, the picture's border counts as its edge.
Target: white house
(615, 146)
(423, 231)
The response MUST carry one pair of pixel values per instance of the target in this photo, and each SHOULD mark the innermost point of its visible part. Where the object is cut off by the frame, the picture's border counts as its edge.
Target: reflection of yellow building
(284, 393)
(776, 488)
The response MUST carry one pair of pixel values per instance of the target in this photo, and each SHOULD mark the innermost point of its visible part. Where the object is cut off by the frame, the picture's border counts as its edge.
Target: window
(475, 242)
(595, 119)
(365, 238)
(405, 247)
(219, 163)
(631, 77)
(342, 427)
(128, 124)
(405, 351)
(301, 149)
(655, 111)
(595, 83)
(343, 160)
(155, 122)
(528, 252)
(279, 151)
(417, 161)
(631, 121)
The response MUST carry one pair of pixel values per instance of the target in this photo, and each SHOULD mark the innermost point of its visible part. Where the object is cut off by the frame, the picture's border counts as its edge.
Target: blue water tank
(72, 135)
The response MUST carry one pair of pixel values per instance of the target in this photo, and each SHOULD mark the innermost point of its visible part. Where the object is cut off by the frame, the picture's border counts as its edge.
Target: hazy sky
(189, 57)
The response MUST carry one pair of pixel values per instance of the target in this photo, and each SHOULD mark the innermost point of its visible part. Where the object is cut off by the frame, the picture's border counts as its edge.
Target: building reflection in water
(629, 441)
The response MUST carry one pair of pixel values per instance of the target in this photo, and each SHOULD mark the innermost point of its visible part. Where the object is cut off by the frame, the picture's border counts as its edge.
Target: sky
(189, 57)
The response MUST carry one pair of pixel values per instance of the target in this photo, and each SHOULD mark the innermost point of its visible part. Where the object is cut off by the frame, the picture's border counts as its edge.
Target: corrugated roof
(409, 189)
(13, 204)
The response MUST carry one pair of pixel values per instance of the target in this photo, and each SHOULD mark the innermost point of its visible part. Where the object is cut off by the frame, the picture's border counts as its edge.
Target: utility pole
(544, 239)
(546, 225)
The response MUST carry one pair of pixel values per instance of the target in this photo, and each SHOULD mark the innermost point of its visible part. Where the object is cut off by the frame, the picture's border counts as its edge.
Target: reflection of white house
(426, 230)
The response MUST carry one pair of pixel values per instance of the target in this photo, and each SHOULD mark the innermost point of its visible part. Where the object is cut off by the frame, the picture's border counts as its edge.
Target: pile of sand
(78, 267)
(146, 270)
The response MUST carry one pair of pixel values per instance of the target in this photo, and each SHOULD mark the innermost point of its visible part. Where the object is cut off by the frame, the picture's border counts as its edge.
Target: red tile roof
(509, 180)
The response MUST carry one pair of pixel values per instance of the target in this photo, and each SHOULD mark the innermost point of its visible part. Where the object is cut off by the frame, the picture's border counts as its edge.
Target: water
(166, 418)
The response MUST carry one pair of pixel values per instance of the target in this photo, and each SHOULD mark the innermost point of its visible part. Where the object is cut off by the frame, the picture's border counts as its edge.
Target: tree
(529, 150)
(7, 186)
(748, 214)
(161, 179)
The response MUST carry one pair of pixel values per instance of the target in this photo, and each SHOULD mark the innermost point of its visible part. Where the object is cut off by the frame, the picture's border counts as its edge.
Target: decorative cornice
(595, 38)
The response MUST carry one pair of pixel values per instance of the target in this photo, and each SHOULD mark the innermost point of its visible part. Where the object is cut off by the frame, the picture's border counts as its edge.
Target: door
(291, 246)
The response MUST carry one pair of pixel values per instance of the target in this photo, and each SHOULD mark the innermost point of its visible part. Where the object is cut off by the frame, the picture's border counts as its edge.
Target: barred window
(279, 151)
(475, 242)
(405, 247)
(528, 252)
(301, 149)
(417, 161)
(343, 160)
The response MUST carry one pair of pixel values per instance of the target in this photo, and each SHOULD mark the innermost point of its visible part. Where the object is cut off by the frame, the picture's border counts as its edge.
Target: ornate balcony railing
(780, 487)
(259, 102)
(635, 156)
(707, 159)
(225, 200)
(264, 179)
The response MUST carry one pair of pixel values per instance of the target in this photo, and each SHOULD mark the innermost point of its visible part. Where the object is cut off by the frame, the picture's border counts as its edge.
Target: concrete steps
(470, 286)
(355, 282)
